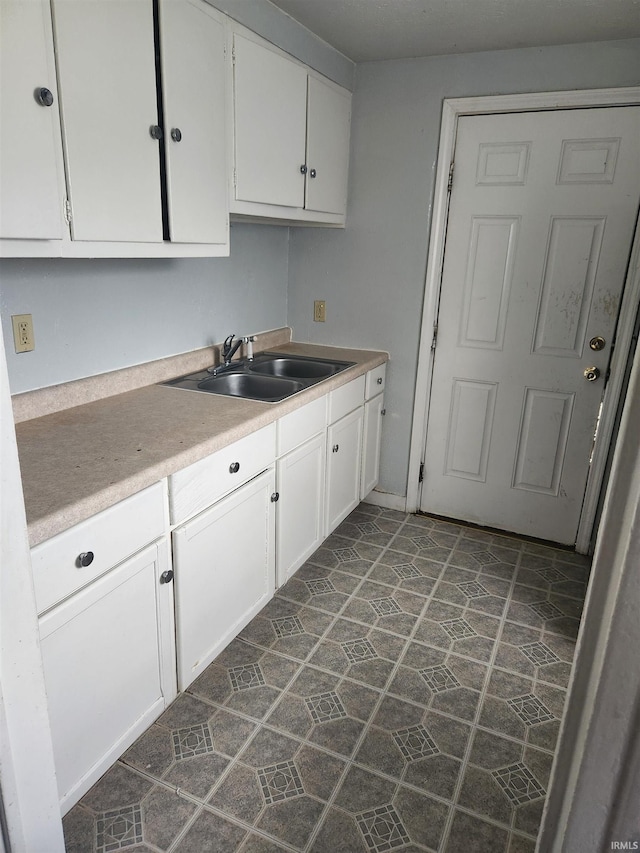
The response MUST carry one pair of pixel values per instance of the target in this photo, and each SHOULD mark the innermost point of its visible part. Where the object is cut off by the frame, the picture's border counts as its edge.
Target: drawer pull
(379, 380)
(85, 559)
(234, 467)
(166, 577)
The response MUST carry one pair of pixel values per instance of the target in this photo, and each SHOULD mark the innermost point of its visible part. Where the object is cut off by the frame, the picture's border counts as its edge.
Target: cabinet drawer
(375, 381)
(345, 399)
(110, 536)
(203, 483)
(299, 426)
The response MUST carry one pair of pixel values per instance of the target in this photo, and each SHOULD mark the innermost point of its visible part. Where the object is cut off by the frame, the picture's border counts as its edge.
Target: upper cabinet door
(30, 181)
(270, 125)
(106, 66)
(193, 80)
(328, 130)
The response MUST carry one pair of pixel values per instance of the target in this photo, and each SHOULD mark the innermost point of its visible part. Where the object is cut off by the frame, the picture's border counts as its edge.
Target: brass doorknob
(591, 374)
(598, 343)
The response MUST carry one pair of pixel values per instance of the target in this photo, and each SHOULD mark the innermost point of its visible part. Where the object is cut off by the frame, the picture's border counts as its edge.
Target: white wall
(372, 274)
(91, 316)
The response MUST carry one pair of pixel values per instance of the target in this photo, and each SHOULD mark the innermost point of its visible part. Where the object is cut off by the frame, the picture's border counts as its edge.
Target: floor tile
(245, 679)
(403, 691)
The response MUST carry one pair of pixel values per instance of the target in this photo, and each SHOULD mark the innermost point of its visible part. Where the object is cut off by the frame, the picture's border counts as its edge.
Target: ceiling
(369, 30)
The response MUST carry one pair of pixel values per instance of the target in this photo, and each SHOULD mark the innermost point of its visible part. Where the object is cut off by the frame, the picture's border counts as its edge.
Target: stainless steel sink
(269, 389)
(270, 377)
(294, 368)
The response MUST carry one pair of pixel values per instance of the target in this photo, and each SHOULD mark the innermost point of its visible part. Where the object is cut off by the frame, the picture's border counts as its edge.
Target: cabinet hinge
(235, 178)
(450, 182)
(233, 55)
(421, 473)
(434, 339)
(67, 211)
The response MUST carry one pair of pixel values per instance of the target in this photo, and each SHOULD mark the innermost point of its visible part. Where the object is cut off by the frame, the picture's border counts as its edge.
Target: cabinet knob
(383, 411)
(312, 173)
(176, 134)
(275, 497)
(44, 96)
(335, 448)
(166, 577)
(155, 131)
(85, 559)
(303, 169)
(379, 380)
(234, 467)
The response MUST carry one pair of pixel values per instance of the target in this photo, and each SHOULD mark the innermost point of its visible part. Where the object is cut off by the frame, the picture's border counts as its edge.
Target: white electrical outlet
(23, 332)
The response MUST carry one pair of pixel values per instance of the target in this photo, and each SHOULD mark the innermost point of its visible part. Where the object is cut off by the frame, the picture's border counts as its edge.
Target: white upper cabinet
(31, 184)
(290, 137)
(270, 95)
(142, 118)
(193, 77)
(106, 67)
(328, 130)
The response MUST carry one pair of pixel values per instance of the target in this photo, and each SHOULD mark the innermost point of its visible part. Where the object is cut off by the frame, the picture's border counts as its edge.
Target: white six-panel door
(541, 219)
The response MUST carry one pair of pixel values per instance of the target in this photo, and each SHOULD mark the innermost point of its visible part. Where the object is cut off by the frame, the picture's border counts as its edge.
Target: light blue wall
(372, 274)
(91, 316)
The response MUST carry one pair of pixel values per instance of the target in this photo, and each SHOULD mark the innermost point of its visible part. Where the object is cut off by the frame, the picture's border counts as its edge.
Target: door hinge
(67, 211)
(450, 182)
(235, 178)
(434, 339)
(421, 473)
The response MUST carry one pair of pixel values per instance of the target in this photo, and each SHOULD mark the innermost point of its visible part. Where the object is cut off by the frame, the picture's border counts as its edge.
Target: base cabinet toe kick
(135, 602)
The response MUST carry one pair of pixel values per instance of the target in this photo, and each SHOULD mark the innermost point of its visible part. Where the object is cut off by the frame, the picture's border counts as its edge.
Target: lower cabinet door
(371, 437)
(109, 664)
(225, 572)
(344, 447)
(300, 477)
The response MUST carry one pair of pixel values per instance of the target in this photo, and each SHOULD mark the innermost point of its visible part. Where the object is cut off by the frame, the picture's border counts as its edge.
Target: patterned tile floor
(402, 692)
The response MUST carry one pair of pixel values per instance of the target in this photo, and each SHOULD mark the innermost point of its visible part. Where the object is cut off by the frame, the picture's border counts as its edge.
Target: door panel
(270, 98)
(541, 219)
(194, 103)
(106, 68)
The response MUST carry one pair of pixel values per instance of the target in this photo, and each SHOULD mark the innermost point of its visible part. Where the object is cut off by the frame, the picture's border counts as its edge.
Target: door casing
(452, 109)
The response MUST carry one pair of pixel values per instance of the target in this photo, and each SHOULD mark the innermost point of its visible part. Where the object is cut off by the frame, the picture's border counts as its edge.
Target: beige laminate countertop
(81, 460)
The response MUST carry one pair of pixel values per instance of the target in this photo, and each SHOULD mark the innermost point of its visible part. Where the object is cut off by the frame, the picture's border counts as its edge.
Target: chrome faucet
(229, 349)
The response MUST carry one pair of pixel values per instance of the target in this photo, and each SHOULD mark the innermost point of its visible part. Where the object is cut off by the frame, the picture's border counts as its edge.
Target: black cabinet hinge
(421, 473)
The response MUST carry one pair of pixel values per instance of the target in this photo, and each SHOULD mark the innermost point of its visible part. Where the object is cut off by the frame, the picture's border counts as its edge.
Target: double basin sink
(269, 377)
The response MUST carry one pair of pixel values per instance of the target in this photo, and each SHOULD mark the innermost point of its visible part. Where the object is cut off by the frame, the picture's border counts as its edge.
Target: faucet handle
(226, 346)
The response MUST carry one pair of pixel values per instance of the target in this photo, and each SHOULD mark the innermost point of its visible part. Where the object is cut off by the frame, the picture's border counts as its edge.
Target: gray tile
(211, 833)
(410, 605)
(471, 833)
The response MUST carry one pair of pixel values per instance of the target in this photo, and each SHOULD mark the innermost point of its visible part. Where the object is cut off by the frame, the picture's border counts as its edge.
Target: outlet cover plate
(23, 332)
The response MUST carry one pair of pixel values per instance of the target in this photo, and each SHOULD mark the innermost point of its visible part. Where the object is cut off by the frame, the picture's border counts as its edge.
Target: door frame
(452, 110)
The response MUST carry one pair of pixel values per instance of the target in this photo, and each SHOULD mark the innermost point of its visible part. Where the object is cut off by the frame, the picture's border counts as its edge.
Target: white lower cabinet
(371, 438)
(300, 508)
(225, 572)
(109, 663)
(344, 448)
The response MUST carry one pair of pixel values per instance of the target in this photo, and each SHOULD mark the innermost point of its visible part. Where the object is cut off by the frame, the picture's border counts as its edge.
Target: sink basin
(270, 377)
(269, 389)
(294, 368)
(297, 366)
